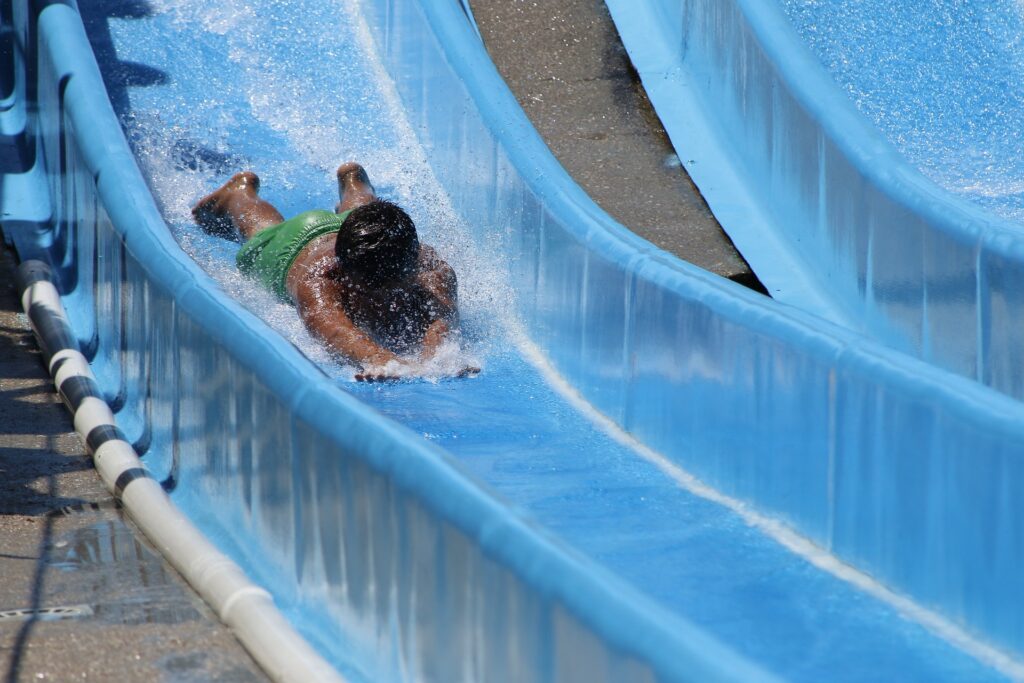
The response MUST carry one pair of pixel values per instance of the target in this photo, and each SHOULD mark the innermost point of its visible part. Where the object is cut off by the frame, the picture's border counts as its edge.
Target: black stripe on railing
(101, 434)
(76, 389)
(52, 331)
(127, 477)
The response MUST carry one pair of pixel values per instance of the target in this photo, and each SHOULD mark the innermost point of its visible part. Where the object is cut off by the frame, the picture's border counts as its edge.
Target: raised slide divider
(816, 199)
(896, 467)
(219, 380)
(766, 404)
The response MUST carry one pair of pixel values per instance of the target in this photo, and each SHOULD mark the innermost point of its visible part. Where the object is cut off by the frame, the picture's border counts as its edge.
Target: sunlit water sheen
(942, 80)
(293, 135)
(292, 88)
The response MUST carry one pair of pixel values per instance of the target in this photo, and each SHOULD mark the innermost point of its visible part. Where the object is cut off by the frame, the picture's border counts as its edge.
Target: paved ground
(566, 65)
(105, 606)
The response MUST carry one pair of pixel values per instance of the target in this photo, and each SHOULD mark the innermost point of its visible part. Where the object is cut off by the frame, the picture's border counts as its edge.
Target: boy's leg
(354, 188)
(236, 208)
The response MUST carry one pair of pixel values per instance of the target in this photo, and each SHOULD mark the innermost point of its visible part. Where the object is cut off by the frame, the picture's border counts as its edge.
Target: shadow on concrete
(31, 457)
(65, 546)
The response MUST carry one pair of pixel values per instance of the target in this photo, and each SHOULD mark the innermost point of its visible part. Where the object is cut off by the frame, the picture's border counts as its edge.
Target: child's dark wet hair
(378, 240)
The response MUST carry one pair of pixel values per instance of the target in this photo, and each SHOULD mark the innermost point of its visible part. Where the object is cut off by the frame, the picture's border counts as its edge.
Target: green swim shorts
(271, 252)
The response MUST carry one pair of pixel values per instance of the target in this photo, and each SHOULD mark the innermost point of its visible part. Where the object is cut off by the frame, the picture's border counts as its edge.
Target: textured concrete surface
(82, 595)
(566, 65)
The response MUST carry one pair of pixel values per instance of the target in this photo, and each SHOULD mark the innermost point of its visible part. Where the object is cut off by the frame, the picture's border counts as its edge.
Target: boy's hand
(389, 371)
(372, 376)
(381, 375)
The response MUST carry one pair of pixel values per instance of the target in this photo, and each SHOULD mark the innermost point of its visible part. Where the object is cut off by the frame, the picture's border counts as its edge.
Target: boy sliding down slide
(360, 278)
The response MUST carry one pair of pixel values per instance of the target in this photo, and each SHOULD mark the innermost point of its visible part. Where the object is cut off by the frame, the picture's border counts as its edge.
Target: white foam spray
(353, 113)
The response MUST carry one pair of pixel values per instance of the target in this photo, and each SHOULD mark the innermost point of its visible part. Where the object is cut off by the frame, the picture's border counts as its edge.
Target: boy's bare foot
(351, 168)
(211, 212)
(354, 187)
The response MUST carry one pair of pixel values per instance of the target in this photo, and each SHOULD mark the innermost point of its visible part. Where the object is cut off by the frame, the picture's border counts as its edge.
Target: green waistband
(269, 255)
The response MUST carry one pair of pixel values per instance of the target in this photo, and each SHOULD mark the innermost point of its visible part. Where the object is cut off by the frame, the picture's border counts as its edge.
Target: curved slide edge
(839, 437)
(765, 403)
(506, 601)
(816, 199)
(247, 608)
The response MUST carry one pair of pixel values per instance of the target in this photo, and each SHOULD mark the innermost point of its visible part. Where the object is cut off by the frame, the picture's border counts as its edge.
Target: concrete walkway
(82, 595)
(565, 64)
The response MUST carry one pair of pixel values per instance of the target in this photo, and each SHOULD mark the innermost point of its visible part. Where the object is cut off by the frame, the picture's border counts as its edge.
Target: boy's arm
(433, 338)
(331, 324)
(438, 278)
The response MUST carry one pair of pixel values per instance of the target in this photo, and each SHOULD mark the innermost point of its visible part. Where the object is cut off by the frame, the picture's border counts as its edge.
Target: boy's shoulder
(430, 260)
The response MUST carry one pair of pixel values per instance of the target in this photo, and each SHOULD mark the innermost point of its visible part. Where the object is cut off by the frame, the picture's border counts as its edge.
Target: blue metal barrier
(816, 199)
(385, 551)
(845, 441)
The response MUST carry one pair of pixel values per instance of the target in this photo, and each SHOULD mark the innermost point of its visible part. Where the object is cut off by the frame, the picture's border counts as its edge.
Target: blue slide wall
(871, 455)
(293, 464)
(831, 217)
(379, 544)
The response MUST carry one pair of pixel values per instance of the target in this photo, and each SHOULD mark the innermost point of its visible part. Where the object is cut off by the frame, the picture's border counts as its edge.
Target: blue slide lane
(941, 82)
(864, 157)
(538, 522)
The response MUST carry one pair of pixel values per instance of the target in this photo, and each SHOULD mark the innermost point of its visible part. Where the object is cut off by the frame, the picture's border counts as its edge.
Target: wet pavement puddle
(131, 584)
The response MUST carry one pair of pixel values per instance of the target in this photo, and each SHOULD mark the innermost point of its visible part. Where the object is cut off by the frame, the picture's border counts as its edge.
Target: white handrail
(246, 608)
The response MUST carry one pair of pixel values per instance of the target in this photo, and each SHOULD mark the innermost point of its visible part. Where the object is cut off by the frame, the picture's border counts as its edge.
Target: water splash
(292, 101)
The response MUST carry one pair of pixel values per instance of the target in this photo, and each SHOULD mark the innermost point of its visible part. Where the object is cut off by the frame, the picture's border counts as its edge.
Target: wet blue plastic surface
(814, 195)
(940, 79)
(595, 565)
(379, 547)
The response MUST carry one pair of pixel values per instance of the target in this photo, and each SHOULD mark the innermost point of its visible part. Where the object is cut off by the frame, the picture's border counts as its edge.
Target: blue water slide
(658, 475)
(829, 202)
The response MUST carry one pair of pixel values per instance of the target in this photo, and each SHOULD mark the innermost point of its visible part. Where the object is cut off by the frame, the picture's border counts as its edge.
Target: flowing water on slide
(291, 88)
(940, 78)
